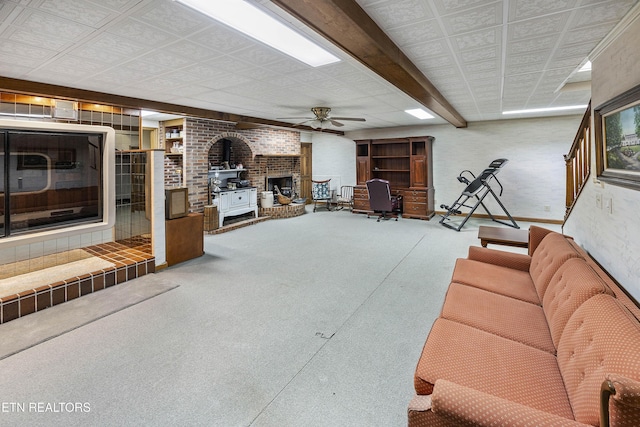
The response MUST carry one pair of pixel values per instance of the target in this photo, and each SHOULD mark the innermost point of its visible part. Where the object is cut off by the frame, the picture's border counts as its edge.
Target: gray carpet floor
(317, 320)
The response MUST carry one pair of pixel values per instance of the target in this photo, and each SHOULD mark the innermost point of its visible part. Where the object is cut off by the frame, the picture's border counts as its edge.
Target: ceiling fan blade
(294, 118)
(353, 119)
(335, 123)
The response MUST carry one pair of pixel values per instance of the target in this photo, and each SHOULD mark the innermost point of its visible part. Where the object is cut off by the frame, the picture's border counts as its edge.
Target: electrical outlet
(598, 200)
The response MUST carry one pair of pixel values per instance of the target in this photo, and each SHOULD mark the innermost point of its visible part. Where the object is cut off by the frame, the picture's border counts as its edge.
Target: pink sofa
(544, 339)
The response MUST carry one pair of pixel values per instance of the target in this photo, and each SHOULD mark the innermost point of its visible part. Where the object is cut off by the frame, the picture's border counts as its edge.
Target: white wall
(612, 238)
(333, 157)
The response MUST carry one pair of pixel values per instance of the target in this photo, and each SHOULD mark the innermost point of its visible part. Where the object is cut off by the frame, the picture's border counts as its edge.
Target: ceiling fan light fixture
(419, 113)
(263, 27)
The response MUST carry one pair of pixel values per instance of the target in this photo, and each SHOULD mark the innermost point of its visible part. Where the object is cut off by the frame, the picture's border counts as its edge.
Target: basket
(283, 200)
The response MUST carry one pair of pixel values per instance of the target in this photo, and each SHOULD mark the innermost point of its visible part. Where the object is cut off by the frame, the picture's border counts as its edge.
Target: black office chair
(380, 199)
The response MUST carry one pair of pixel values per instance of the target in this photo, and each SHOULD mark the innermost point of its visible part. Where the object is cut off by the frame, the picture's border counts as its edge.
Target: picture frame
(617, 137)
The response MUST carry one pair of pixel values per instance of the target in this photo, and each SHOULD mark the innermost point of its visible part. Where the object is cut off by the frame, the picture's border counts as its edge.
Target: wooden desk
(184, 238)
(503, 236)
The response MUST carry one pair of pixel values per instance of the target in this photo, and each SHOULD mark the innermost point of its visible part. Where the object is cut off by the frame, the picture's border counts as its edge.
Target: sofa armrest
(536, 234)
(468, 407)
(502, 258)
(620, 401)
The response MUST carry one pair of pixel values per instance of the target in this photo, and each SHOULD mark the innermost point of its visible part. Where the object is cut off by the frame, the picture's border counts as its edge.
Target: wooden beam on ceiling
(55, 91)
(347, 25)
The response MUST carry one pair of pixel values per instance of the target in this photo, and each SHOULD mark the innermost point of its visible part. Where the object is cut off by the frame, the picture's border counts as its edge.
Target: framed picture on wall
(617, 132)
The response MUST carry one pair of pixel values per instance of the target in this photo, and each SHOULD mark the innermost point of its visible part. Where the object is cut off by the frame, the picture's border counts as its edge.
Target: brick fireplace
(262, 152)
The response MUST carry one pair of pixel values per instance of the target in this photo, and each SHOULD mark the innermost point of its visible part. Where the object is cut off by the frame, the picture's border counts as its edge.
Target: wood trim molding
(346, 24)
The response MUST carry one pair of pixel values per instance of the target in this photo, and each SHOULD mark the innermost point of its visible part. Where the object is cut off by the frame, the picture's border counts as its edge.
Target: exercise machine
(477, 189)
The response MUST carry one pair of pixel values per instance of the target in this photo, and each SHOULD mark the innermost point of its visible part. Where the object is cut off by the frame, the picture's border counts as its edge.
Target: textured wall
(612, 238)
(334, 158)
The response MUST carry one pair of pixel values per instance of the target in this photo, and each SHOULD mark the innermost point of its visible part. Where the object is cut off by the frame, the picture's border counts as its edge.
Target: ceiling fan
(322, 118)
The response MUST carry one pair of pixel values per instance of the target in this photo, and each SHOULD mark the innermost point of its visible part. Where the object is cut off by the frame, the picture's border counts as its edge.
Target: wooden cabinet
(406, 164)
(184, 238)
(363, 164)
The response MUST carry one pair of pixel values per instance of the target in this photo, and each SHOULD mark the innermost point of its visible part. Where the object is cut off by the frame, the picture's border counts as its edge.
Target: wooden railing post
(570, 192)
(578, 162)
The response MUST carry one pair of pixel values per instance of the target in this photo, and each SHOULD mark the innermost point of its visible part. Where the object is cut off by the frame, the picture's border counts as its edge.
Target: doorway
(305, 170)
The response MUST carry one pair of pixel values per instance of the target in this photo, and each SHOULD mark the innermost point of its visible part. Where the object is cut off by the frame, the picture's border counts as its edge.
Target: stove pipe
(226, 150)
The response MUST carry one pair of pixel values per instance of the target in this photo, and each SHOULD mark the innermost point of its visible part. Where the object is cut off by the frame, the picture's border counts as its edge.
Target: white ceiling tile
(611, 11)
(117, 5)
(394, 13)
(118, 45)
(25, 51)
(38, 39)
(538, 27)
(544, 43)
(426, 50)
(474, 19)
(433, 63)
(592, 33)
(480, 55)
(52, 26)
(524, 9)
(286, 66)
(83, 13)
(479, 39)
(258, 55)
(15, 67)
(445, 7)
(173, 17)
(221, 38)
(190, 50)
(147, 68)
(140, 32)
(418, 32)
(22, 63)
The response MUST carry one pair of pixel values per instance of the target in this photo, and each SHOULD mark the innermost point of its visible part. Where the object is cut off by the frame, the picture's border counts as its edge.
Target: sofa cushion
(551, 253)
(573, 284)
(501, 315)
(602, 337)
(464, 406)
(494, 278)
(491, 364)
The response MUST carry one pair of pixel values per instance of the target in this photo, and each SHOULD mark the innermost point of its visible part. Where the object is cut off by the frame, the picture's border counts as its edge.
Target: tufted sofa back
(551, 253)
(601, 338)
(573, 284)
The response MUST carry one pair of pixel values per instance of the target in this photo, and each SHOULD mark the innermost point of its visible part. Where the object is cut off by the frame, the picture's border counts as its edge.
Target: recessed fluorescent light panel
(419, 113)
(255, 23)
(546, 110)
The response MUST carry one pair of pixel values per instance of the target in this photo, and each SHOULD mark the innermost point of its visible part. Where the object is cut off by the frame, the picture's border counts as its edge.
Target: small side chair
(345, 198)
(320, 192)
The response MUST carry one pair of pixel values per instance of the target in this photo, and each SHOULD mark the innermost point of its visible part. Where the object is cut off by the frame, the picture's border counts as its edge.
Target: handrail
(578, 162)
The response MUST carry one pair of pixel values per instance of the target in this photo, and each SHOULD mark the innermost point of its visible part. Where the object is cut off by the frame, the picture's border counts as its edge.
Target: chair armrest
(468, 407)
(502, 258)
